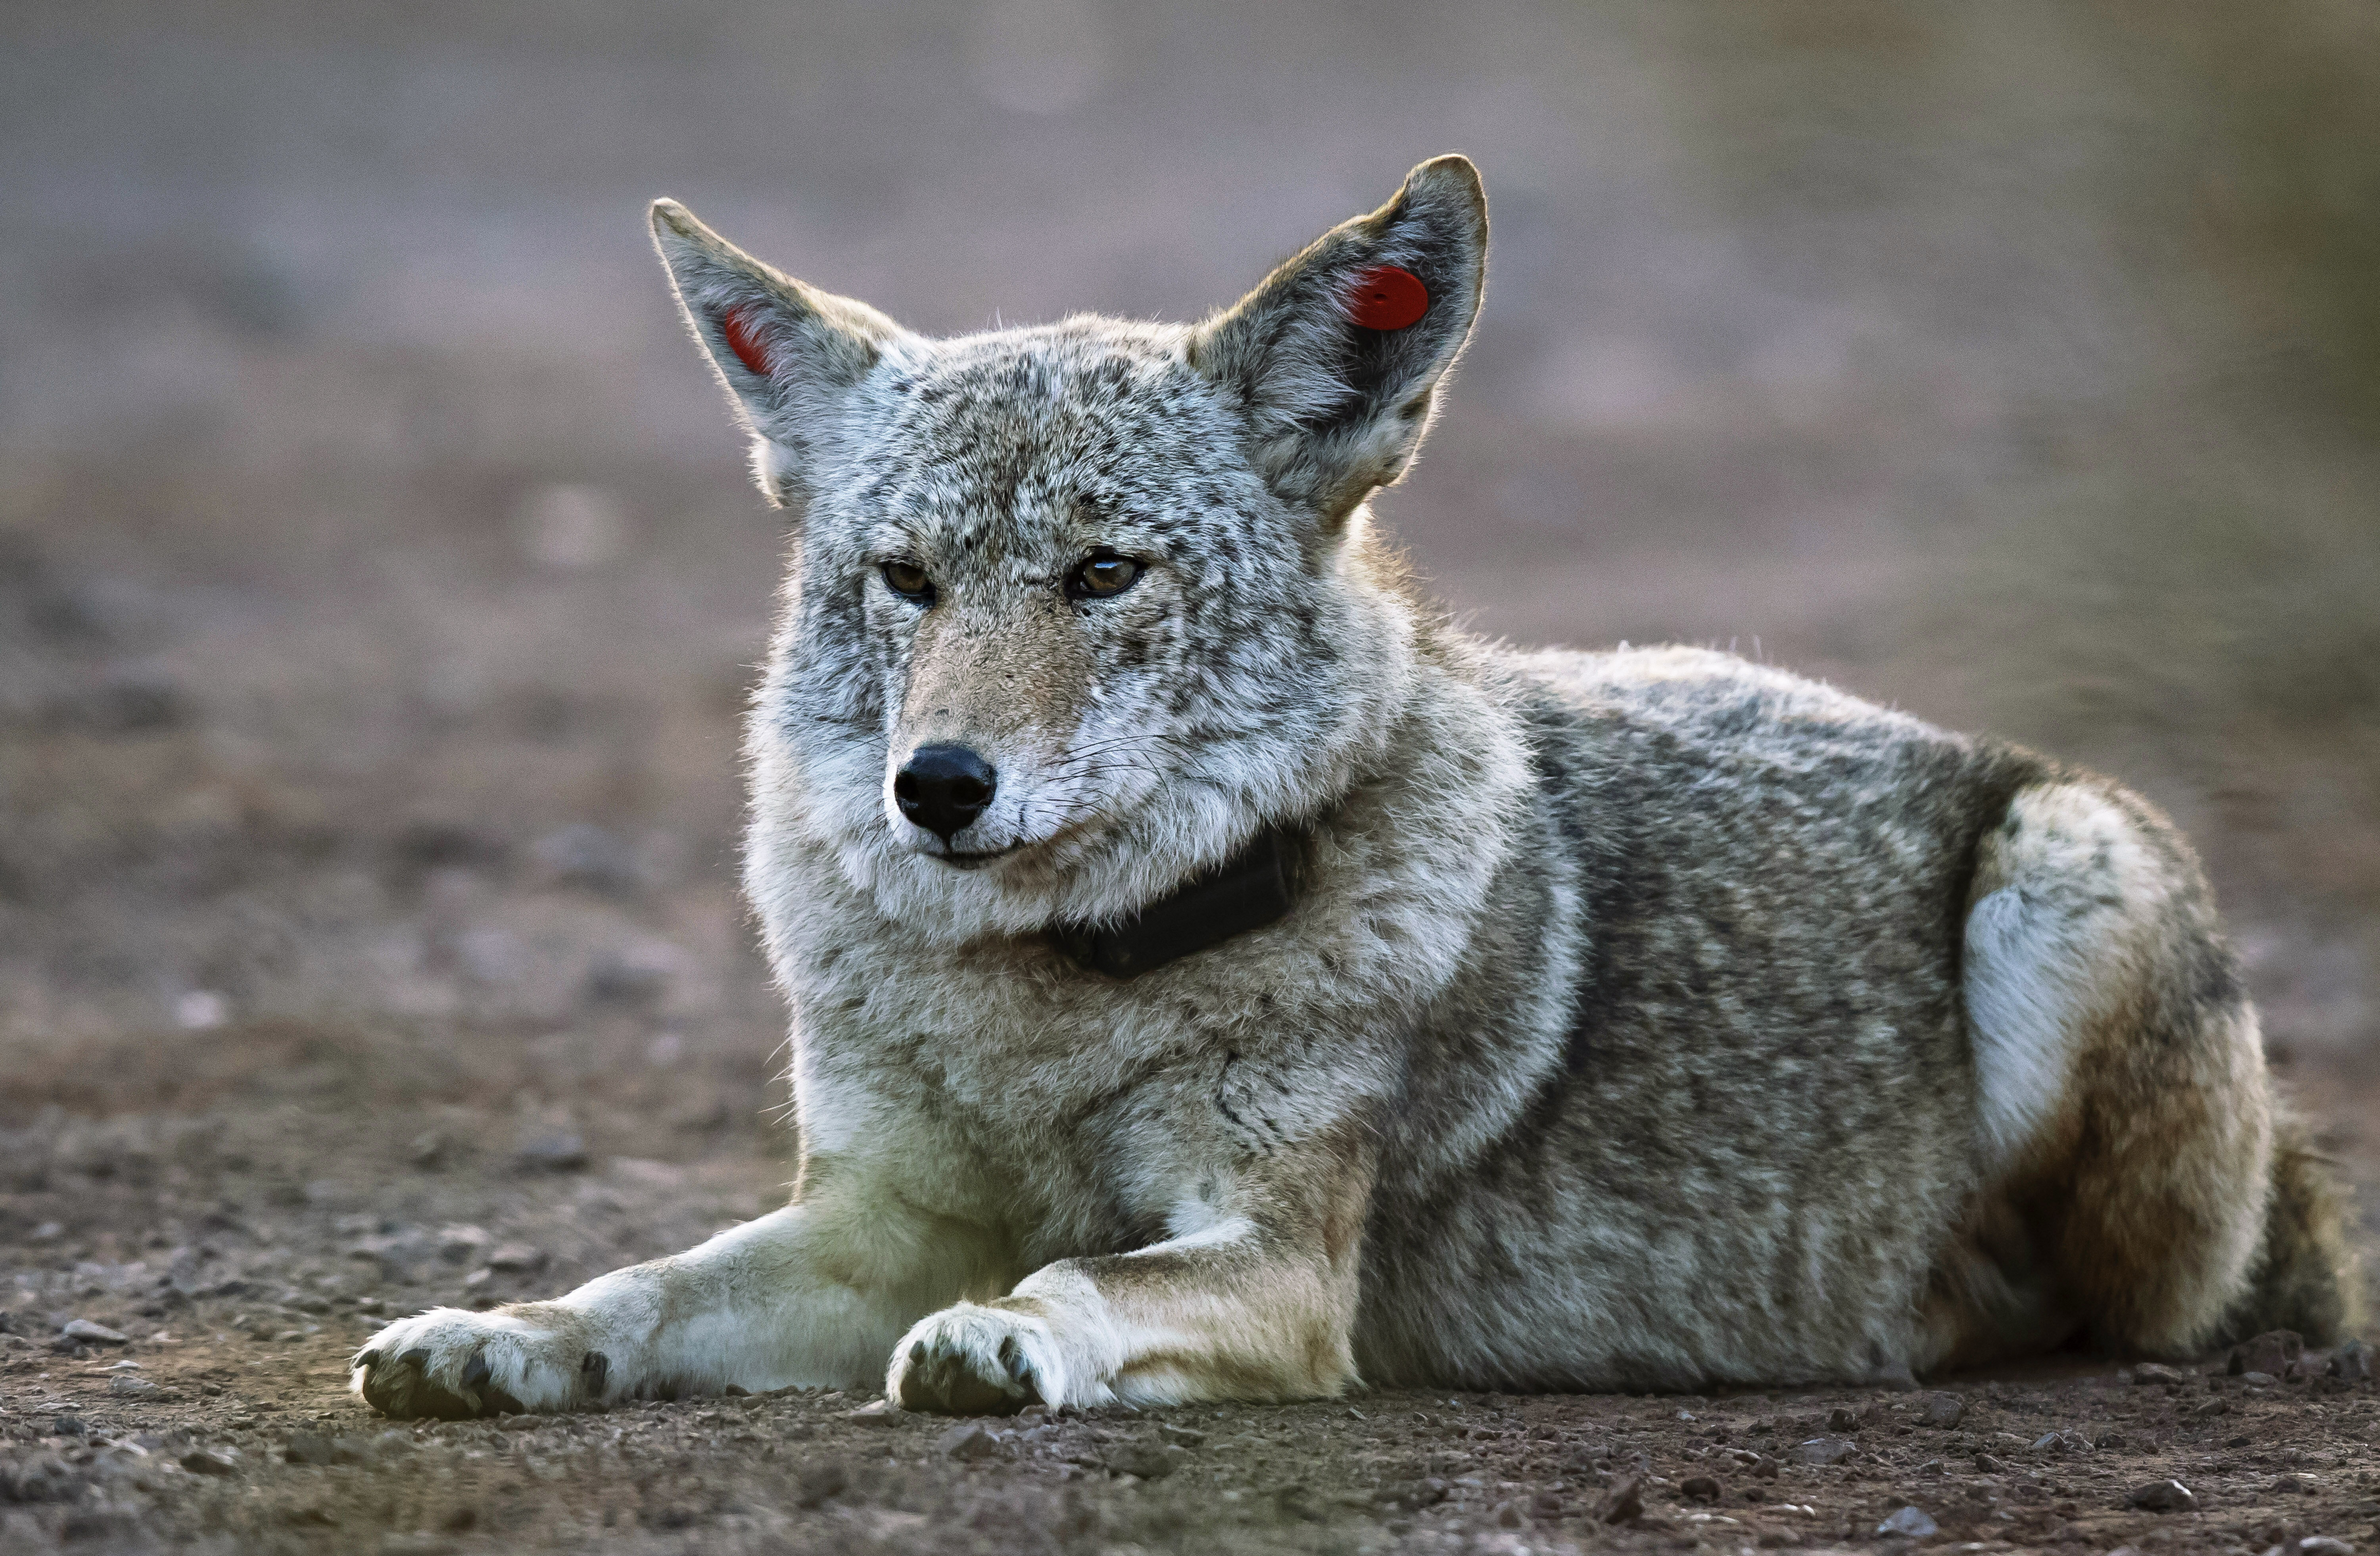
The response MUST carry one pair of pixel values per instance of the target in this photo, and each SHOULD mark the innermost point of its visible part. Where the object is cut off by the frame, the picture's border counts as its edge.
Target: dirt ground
(240, 1283)
(378, 590)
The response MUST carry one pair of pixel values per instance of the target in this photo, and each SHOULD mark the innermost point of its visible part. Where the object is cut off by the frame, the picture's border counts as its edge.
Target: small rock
(2060, 1443)
(2324, 1545)
(1823, 1451)
(1150, 1460)
(819, 1481)
(1428, 1491)
(2110, 1440)
(428, 1150)
(69, 1425)
(517, 1259)
(1987, 1465)
(2160, 1376)
(1185, 1436)
(2270, 1352)
(1701, 1489)
(554, 1153)
(2256, 1380)
(2352, 1362)
(1760, 1467)
(1941, 1410)
(198, 1460)
(84, 1331)
(1909, 1522)
(1840, 1420)
(308, 1448)
(968, 1441)
(1623, 1502)
(133, 1388)
(2161, 1496)
(884, 1413)
(458, 1245)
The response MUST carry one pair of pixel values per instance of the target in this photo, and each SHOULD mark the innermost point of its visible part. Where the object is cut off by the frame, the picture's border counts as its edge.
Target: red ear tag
(741, 327)
(1388, 299)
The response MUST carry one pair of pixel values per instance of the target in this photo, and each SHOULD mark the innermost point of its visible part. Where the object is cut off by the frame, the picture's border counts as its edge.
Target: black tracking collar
(1246, 891)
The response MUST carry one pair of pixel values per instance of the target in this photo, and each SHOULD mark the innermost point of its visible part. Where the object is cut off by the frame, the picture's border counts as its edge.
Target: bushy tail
(2306, 1277)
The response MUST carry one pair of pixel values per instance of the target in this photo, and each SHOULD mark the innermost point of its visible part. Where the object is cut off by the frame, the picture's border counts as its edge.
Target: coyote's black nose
(944, 787)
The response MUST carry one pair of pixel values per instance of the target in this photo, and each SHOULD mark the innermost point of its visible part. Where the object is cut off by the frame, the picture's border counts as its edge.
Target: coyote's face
(1075, 609)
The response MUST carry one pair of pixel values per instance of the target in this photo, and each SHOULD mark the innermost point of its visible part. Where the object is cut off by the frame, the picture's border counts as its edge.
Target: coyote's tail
(2306, 1276)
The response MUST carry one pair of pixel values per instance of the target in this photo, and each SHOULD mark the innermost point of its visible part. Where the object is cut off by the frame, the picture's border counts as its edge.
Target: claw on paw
(959, 1364)
(402, 1387)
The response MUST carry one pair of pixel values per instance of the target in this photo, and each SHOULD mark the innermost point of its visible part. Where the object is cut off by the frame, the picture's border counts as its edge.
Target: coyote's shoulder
(1466, 1017)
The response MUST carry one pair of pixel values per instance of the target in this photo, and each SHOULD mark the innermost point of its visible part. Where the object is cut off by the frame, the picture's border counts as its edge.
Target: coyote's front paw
(455, 1364)
(968, 1360)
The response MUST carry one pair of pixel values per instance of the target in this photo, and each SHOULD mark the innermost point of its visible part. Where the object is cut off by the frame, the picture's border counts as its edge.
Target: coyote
(1215, 975)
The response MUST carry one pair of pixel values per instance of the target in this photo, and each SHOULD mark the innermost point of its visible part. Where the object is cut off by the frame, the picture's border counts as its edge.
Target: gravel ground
(185, 1294)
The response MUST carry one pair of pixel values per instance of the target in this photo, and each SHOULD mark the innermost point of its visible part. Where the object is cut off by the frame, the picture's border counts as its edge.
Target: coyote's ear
(789, 354)
(1335, 359)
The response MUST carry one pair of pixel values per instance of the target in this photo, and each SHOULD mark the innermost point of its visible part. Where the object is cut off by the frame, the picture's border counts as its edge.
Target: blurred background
(379, 583)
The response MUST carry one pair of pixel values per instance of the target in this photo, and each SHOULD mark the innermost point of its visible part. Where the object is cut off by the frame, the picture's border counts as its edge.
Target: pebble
(968, 1443)
(457, 1244)
(2162, 1496)
(1941, 1410)
(1823, 1451)
(2321, 1545)
(1987, 1465)
(2158, 1375)
(92, 1333)
(128, 1387)
(819, 1481)
(1150, 1460)
(1700, 1488)
(1911, 1523)
(198, 1460)
(307, 1448)
(884, 1413)
(1623, 1503)
(2351, 1361)
(555, 1154)
(1187, 1437)
(517, 1259)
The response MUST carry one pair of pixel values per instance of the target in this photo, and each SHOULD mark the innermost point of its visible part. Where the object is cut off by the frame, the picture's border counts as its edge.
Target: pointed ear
(1335, 359)
(789, 354)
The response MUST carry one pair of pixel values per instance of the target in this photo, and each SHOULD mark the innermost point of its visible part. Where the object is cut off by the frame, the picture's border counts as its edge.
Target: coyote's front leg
(812, 1293)
(1257, 1301)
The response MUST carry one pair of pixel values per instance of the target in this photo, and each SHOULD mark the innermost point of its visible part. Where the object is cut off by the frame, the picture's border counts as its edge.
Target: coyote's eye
(909, 581)
(1099, 575)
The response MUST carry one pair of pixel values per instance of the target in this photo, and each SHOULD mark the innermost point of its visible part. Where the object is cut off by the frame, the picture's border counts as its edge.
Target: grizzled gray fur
(1640, 1019)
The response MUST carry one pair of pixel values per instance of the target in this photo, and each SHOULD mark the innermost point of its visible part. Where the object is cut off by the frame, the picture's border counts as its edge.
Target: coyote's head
(1075, 609)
